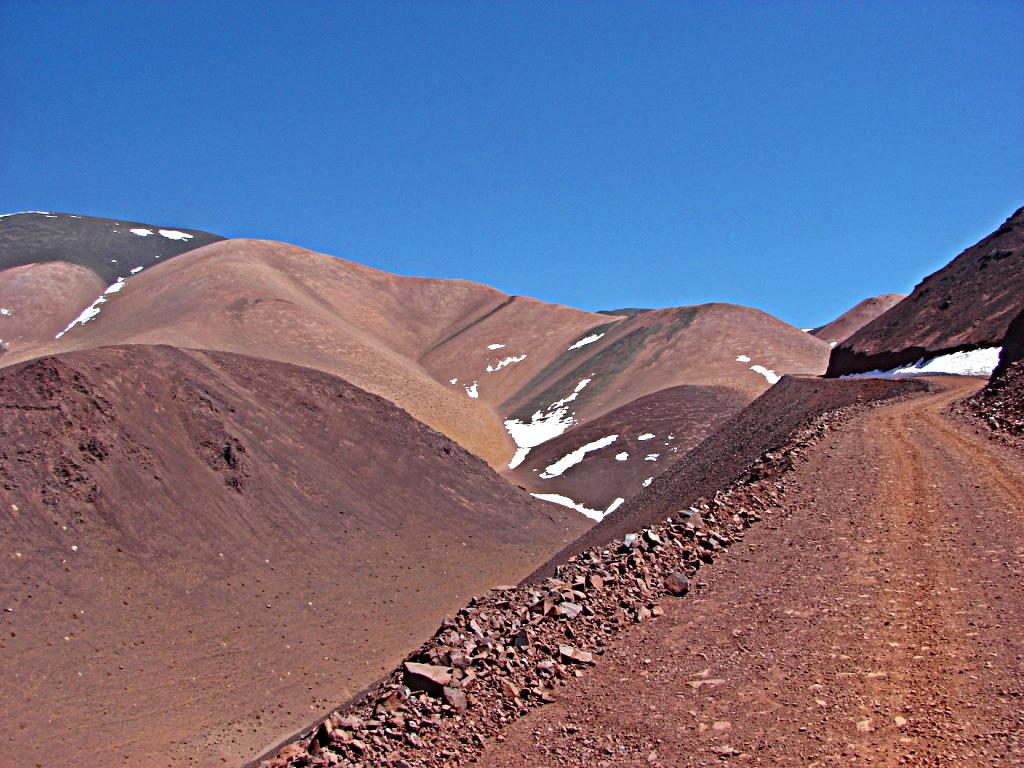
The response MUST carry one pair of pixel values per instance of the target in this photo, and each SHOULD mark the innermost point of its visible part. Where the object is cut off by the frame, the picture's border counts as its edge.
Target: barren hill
(55, 265)
(497, 373)
(855, 318)
(967, 304)
(202, 549)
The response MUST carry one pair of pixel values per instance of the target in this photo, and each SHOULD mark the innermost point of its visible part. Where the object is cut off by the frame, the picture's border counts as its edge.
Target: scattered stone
(677, 584)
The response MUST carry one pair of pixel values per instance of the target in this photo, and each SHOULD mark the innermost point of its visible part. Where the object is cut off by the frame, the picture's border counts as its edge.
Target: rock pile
(509, 651)
(1001, 404)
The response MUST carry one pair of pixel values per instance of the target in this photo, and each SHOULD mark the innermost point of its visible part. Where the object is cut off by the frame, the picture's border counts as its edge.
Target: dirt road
(877, 620)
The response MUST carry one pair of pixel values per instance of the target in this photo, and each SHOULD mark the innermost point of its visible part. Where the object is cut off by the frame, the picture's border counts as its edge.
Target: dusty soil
(874, 619)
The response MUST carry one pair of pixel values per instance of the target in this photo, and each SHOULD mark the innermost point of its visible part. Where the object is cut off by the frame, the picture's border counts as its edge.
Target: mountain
(968, 304)
(201, 548)
(855, 318)
(497, 373)
(54, 265)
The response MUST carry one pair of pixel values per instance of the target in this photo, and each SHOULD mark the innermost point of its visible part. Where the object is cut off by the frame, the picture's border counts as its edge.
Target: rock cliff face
(965, 305)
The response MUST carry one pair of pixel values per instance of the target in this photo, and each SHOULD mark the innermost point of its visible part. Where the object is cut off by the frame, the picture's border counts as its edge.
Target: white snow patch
(454, 381)
(507, 361)
(742, 359)
(974, 362)
(473, 391)
(652, 457)
(173, 234)
(646, 436)
(565, 501)
(93, 309)
(543, 425)
(806, 330)
(770, 376)
(575, 457)
(19, 213)
(493, 347)
(136, 270)
(647, 482)
(621, 456)
(5, 312)
(832, 344)
(141, 232)
(586, 340)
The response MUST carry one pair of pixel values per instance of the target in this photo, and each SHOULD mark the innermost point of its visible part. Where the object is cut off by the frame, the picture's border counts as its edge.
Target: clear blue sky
(791, 156)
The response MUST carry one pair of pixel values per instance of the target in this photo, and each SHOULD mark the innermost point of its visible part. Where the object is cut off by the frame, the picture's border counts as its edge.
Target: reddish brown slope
(969, 303)
(875, 619)
(855, 318)
(671, 423)
(285, 303)
(201, 550)
(37, 300)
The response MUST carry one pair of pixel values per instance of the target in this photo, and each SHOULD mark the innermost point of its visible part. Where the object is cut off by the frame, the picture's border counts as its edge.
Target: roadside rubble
(511, 650)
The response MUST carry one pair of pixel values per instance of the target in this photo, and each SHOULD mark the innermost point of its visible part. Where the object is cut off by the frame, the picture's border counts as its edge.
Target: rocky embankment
(1001, 403)
(510, 651)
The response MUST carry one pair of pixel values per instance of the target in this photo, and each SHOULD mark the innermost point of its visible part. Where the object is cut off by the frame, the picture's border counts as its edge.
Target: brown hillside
(201, 549)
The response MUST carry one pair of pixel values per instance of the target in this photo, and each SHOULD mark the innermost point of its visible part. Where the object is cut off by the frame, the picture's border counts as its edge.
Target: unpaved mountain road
(877, 620)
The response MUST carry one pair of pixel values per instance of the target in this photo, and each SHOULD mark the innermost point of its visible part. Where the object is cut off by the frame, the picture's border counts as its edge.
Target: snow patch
(621, 456)
(543, 425)
(742, 359)
(973, 362)
(770, 376)
(493, 347)
(5, 312)
(473, 391)
(93, 309)
(141, 232)
(647, 482)
(575, 457)
(507, 361)
(646, 436)
(174, 234)
(586, 340)
(652, 457)
(19, 213)
(454, 381)
(565, 501)
(136, 270)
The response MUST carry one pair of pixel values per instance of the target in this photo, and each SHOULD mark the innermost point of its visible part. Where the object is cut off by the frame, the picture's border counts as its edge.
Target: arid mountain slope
(203, 549)
(969, 303)
(38, 300)
(283, 303)
(54, 265)
(650, 435)
(110, 248)
(459, 356)
(855, 318)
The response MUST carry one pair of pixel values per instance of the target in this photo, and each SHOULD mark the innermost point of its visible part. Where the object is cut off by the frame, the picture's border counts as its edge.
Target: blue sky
(795, 157)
